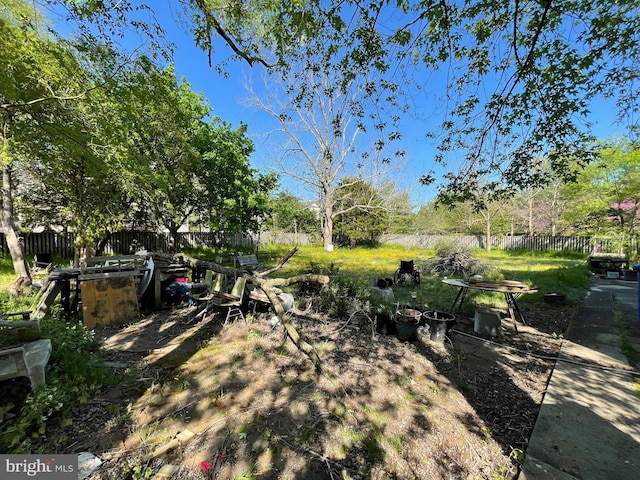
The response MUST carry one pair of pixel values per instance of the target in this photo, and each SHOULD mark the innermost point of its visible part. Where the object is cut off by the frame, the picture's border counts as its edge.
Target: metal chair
(203, 292)
(233, 301)
(406, 270)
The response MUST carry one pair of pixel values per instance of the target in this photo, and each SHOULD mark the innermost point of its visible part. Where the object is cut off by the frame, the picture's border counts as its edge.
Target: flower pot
(406, 332)
(440, 324)
(407, 323)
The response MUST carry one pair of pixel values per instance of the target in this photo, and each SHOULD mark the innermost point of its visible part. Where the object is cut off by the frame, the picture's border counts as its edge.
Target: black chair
(407, 271)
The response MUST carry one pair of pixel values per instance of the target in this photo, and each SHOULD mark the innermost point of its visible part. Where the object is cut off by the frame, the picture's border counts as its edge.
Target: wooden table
(511, 291)
(66, 283)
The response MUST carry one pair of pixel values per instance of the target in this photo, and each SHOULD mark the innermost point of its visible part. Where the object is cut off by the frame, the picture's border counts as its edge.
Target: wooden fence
(119, 243)
(500, 242)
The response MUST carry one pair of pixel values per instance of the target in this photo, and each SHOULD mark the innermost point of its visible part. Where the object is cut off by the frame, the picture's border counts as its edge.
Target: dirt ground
(239, 402)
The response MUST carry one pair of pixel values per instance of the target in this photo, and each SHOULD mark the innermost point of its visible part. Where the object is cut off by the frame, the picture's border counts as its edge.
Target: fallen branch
(271, 288)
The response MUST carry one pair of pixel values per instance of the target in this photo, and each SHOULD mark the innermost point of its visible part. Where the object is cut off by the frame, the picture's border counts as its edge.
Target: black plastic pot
(440, 324)
(385, 324)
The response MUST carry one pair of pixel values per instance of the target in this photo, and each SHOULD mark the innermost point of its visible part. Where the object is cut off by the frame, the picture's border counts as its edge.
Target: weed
(397, 441)
(75, 375)
(113, 409)
(462, 386)
(282, 350)
(626, 346)
(371, 445)
(516, 456)
(325, 347)
(339, 411)
(251, 473)
(138, 472)
(308, 434)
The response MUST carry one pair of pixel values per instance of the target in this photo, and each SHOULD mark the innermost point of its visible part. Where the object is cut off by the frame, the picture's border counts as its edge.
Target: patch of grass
(311, 432)
(351, 270)
(397, 441)
(436, 388)
(282, 350)
(517, 456)
(260, 353)
(372, 445)
(339, 411)
(325, 347)
(462, 386)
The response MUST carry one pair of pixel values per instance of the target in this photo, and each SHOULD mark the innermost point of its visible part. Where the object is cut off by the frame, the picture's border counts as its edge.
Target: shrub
(342, 297)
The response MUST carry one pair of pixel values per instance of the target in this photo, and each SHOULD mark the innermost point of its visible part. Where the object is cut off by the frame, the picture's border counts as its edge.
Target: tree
(546, 61)
(361, 211)
(40, 80)
(606, 193)
(236, 196)
(402, 218)
(90, 172)
(318, 134)
(160, 117)
(290, 214)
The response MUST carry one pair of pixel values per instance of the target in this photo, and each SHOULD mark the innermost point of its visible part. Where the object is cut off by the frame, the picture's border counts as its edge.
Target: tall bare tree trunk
(327, 214)
(530, 216)
(9, 225)
(487, 220)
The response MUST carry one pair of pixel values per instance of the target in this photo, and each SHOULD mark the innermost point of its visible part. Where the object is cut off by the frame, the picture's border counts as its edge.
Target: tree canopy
(90, 136)
(516, 80)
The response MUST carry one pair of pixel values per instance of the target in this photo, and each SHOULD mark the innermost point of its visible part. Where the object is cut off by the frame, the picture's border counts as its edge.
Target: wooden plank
(109, 300)
(91, 261)
(47, 299)
(103, 275)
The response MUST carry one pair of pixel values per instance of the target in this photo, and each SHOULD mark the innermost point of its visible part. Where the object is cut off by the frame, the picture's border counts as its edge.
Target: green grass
(565, 272)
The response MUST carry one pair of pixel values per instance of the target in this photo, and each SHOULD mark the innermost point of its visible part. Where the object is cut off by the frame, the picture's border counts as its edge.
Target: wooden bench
(28, 359)
(250, 262)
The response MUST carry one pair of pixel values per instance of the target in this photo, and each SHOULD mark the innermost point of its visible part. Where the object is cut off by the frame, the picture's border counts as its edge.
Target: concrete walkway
(589, 422)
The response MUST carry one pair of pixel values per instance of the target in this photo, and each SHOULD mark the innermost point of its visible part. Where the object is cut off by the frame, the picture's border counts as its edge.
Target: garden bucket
(487, 322)
(407, 322)
(440, 323)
